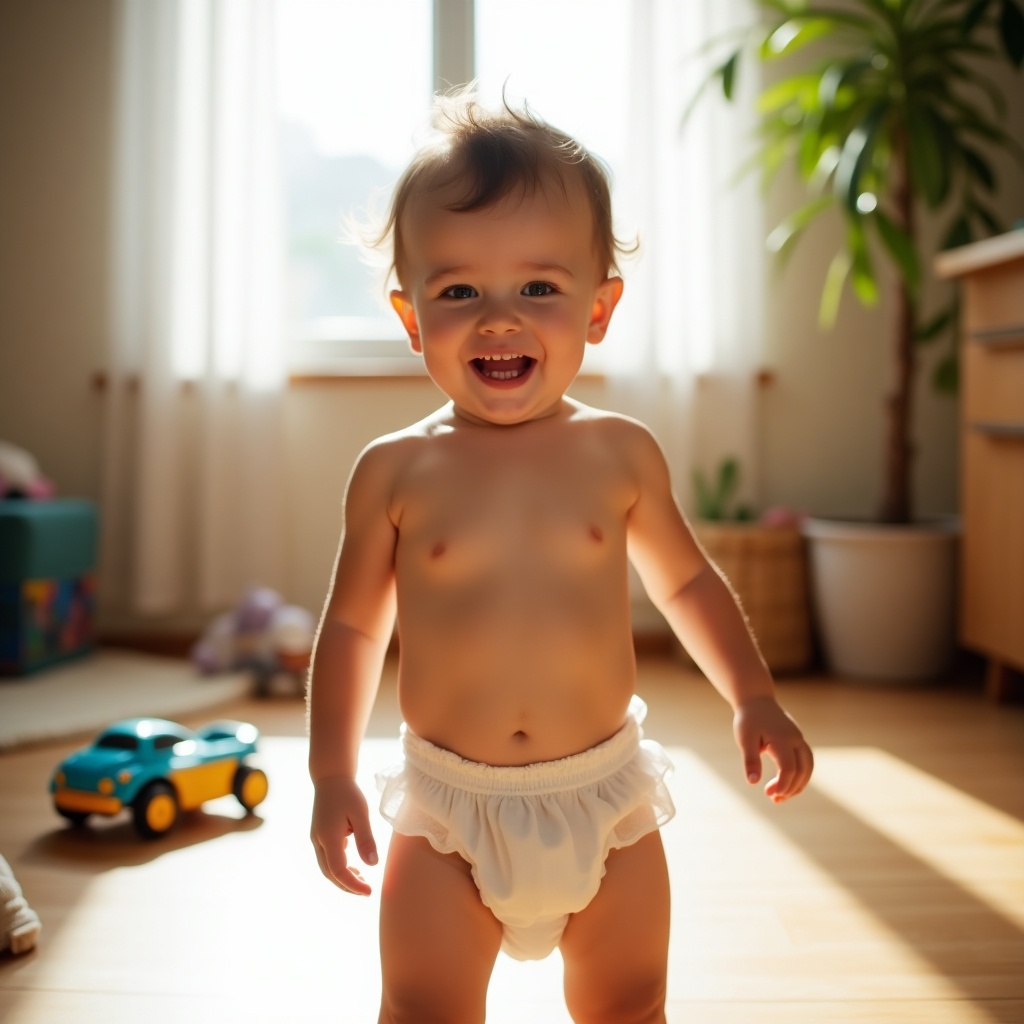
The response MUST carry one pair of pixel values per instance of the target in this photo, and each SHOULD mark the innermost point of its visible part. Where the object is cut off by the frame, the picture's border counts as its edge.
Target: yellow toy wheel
(155, 810)
(250, 786)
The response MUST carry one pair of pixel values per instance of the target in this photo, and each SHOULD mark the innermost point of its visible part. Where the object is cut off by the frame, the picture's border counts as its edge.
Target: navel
(596, 533)
(438, 549)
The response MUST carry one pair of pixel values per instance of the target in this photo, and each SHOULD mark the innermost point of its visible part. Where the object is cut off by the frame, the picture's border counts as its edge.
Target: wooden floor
(892, 891)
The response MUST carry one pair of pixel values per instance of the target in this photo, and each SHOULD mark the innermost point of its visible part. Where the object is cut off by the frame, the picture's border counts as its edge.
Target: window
(356, 80)
(117, 741)
(353, 84)
(567, 58)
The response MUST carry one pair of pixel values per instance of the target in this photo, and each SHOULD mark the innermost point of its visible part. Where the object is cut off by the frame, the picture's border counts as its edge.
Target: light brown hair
(495, 154)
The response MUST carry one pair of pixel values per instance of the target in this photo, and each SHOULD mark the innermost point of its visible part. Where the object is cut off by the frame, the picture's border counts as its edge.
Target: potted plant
(763, 559)
(886, 112)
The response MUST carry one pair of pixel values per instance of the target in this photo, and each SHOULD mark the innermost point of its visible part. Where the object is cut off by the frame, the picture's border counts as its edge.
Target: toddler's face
(502, 301)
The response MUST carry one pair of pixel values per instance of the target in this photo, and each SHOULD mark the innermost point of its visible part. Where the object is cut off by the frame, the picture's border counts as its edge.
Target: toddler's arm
(350, 647)
(705, 615)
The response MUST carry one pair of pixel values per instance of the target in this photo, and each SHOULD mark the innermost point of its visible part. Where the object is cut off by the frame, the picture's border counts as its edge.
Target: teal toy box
(47, 582)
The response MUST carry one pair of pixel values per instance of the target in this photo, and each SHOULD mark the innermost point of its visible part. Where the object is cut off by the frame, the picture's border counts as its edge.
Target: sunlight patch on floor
(745, 894)
(980, 848)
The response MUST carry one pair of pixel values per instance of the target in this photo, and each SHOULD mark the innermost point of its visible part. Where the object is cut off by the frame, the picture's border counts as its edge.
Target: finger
(364, 843)
(794, 774)
(351, 881)
(786, 764)
(751, 753)
(334, 864)
(802, 772)
(805, 767)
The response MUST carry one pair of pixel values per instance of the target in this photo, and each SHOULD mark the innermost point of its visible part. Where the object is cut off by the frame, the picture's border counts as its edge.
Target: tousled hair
(494, 154)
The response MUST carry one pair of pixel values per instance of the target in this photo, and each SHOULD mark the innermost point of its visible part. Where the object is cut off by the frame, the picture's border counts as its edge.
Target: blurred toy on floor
(263, 635)
(19, 923)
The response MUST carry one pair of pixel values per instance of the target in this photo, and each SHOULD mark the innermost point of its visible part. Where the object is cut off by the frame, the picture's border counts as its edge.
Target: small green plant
(714, 501)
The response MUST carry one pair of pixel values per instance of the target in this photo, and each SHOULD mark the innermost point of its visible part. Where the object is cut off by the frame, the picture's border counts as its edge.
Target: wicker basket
(767, 568)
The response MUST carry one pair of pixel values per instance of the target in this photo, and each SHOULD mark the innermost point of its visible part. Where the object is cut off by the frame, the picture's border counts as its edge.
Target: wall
(821, 425)
(55, 93)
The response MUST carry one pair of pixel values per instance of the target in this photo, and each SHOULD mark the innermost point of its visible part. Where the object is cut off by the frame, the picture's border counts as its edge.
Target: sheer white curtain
(689, 330)
(193, 504)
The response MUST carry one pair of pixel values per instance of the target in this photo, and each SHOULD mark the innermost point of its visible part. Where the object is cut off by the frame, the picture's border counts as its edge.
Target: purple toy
(262, 634)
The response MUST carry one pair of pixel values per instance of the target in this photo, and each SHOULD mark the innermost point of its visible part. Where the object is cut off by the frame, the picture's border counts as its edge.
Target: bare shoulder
(629, 438)
(381, 465)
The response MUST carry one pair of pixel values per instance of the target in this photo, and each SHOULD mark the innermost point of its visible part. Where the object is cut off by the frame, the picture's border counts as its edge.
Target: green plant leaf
(979, 168)
(959, 233)
(728, 480)
(713, 502)
(900, 248)
(727, 73)
(865, 285)
(786, 91)
(995, 97)
(838, 17)
(837, 75)
(855, 156)
(1011, 31)
(795, 33)
(934, 328)
(832, 291)
(707, 507)
(783, 237)
(946, 376)
(988, 218)
(929, 153)
(717, 74)
(973, 16)
(809, 151)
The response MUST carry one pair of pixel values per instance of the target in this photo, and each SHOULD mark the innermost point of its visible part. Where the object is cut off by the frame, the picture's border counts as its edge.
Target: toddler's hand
(762, 727)
(339, 811)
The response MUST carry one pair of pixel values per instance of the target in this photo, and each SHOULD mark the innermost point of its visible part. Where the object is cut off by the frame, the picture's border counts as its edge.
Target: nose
(498, 318)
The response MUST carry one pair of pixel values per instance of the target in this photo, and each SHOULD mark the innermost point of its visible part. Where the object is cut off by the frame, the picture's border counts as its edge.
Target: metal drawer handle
(996, 336)
(1008, 430)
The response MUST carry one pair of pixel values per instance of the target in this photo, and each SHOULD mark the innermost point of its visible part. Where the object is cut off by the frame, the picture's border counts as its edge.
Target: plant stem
(896, 504)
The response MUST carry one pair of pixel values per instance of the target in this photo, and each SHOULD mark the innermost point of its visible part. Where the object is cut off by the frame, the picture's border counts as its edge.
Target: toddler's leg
(616, 950)
(438, 941)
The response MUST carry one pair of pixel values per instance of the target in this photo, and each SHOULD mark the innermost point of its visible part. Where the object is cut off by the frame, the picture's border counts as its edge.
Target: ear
(403, 307)
(609, 291)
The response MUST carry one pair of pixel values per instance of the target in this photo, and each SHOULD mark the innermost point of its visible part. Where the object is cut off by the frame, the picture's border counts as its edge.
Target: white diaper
(537, 836)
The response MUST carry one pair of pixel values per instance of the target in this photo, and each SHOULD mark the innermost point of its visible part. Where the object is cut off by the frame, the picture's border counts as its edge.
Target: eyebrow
(442, 272)
(536, 268)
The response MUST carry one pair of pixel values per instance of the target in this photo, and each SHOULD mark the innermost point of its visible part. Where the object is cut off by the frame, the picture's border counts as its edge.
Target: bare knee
(641, 1001)
(411, 1006)
(438, 941)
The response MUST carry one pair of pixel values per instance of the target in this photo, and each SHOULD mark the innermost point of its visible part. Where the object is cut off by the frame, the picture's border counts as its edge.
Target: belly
(502, 675)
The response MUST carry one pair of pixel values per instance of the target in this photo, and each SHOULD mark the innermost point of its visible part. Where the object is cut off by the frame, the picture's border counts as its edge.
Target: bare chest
(470, 511)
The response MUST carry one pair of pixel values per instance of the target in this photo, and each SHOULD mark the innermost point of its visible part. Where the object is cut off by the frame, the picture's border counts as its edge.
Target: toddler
(527, 808)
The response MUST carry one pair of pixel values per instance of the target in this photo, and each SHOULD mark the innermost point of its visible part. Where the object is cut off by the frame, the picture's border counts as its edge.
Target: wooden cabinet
(992, 451)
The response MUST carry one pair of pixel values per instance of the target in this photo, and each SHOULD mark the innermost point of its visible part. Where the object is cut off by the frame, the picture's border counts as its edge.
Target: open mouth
(504, 367)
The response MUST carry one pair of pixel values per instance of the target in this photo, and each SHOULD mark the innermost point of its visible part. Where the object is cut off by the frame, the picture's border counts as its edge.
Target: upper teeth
(504, 355)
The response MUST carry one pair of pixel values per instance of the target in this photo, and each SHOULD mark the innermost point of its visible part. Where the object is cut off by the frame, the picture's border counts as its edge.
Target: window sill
(359, 367)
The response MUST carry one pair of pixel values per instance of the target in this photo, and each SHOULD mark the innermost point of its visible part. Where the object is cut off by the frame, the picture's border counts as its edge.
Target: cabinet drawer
(993, 381)
(993, 298)
(992, 546)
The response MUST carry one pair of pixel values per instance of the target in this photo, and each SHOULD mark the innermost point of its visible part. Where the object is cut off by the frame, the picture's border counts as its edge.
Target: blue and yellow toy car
(158, 769)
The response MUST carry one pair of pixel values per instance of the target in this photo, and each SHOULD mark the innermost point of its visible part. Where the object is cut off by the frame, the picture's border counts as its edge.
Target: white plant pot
(884, 597)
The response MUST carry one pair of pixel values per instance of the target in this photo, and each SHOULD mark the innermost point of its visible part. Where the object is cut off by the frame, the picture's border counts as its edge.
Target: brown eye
(459, 291)
(537, 289)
